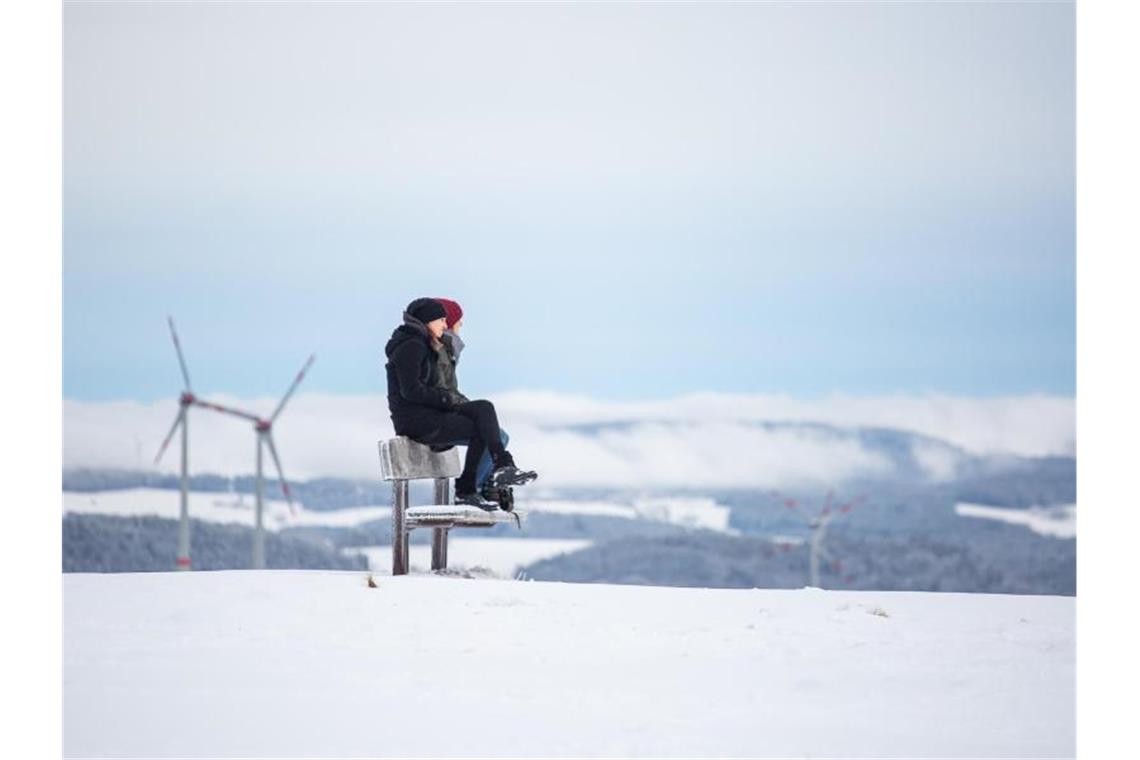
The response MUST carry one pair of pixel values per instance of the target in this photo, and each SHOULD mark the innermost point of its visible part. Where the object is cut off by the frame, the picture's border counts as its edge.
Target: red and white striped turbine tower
(818, 524)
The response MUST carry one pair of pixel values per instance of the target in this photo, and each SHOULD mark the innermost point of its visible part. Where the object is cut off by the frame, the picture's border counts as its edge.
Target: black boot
(476, 500)
(510, 475)
(505, 497)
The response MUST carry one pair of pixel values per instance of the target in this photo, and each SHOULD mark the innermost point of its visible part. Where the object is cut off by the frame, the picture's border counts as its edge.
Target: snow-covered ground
(238, 508)
(502, 556)
(1059, 521)
(311, 663)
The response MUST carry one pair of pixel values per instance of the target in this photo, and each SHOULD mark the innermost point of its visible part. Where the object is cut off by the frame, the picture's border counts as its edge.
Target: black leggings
(475, 424)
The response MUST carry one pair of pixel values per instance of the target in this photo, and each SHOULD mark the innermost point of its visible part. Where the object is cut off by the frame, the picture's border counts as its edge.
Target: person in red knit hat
(448, 358)
(454, 313)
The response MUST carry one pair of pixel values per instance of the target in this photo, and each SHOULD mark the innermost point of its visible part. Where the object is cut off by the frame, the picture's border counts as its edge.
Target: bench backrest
(401, 458)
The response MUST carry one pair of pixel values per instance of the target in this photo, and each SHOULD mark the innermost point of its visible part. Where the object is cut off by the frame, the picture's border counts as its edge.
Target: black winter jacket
(415, 398)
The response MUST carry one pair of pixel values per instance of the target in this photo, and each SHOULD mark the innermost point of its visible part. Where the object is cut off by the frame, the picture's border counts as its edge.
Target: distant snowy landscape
(502, 556)
(310, 663)
(718, 490)
(238, 508)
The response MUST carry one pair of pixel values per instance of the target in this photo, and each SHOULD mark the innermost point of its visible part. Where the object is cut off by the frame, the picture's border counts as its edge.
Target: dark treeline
(1002, 559)
(111, 544)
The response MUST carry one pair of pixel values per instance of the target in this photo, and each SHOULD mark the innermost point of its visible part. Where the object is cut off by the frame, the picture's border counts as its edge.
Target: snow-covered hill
(1059, 521)
(307, 663)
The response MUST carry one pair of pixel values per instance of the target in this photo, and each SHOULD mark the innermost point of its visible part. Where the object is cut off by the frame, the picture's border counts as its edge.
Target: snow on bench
(450, 515)
(403, 460)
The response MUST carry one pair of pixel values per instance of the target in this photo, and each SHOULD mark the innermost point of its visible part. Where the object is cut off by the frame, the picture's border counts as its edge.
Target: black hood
(412, 329)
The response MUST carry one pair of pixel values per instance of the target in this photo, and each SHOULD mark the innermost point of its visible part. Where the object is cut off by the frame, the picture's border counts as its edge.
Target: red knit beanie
(454, 311)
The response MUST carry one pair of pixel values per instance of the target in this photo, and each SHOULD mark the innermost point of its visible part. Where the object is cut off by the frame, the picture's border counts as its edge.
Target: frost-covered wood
(401, 458)
(453, 515)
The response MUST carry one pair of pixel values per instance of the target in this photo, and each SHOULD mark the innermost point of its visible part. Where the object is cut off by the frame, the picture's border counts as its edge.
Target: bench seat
(456, 515)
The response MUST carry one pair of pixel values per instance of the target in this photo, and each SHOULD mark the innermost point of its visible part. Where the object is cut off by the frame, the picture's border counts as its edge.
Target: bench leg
(439, 535)
(407, 551)
(399, 527)
(439, 549)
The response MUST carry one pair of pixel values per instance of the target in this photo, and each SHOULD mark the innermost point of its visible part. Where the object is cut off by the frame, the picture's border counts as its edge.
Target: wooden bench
(403, 460)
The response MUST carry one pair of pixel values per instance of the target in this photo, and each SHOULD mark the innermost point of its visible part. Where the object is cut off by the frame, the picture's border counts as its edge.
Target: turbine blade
(178, 348)
(296, 381)
(792, 505)
(280, 472)
(166, 441)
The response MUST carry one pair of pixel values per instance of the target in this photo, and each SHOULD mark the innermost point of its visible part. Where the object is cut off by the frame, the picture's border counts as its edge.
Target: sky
(631, 201)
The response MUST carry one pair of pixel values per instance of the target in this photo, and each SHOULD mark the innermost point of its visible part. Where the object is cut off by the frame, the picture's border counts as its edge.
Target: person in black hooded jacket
(426, 412)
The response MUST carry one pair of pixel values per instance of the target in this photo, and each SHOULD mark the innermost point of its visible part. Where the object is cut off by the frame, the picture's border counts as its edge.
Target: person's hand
(453, 399)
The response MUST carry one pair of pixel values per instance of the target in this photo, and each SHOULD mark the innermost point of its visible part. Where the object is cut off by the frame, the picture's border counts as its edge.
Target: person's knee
(482, 405)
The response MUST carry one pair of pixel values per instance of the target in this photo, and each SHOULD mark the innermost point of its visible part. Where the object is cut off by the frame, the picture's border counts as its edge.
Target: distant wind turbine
(264, 430)
(818, 524)
(186, 400)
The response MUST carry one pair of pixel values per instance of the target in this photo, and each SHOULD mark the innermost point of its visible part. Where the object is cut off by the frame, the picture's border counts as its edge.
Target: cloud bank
(698, 440)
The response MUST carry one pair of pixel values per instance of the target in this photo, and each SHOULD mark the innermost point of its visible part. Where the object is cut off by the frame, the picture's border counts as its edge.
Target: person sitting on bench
(449, 380)
(426, 412)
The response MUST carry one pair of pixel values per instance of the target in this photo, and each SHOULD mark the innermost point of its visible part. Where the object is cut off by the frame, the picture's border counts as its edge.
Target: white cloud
(316, 435)
(937, 461)
(1034, 425)
(709, 439)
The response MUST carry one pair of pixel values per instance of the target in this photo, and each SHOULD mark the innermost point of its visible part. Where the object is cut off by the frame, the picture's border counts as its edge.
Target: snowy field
(239, 509)
(312, 663)
(215, 507)
(502, 556)
(1059, 521)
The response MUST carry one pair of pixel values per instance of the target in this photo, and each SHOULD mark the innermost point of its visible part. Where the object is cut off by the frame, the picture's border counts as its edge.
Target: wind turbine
(818, 524)
(264, 429)
(186, 400)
